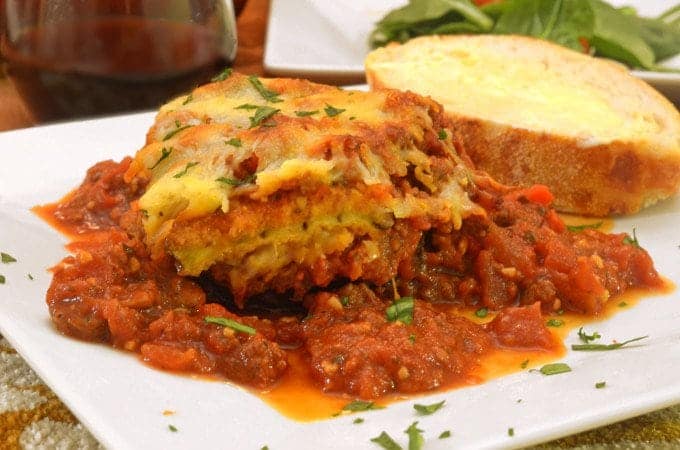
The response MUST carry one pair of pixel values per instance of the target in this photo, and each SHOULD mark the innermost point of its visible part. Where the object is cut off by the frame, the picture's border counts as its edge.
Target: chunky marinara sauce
(519, 262)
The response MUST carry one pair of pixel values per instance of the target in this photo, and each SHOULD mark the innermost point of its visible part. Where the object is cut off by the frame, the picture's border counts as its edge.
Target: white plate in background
(121, 400)
(328, 39)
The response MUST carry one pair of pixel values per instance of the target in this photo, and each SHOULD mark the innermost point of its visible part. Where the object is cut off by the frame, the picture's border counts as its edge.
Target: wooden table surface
(649, 431)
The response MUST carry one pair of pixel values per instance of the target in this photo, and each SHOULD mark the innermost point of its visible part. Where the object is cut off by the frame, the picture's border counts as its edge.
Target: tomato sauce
(519, 263)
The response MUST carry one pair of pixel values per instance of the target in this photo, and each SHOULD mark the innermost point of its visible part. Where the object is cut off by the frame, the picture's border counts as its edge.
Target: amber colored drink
(110, 64)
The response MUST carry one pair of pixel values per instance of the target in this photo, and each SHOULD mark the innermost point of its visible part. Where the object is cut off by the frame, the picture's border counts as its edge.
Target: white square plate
(121, 400)
(328, 39)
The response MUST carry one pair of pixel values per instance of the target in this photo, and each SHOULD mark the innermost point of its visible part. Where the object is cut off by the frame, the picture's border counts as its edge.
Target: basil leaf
(482, 312)
(585, 337)
(229, 323)
(426, 410)
(185, 170)
(555, 368)
(2, 279)
(262, 113)
(445, 434)
(401, 310)
(270, 96)
(631, 241)
(226, 73)
(189, 98)
(586, 226)
(6, 258)
(247, 106)
(236, 142)
(600, 384)
(555, 323)
(171, 133)
(385, 441)
(236, 182)
(332, 111)
(415, 437)
(306, 113)
(360, 405)
(604, 347)
(165, 152)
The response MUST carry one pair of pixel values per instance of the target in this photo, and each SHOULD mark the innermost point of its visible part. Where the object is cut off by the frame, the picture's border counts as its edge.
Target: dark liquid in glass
(104, 65)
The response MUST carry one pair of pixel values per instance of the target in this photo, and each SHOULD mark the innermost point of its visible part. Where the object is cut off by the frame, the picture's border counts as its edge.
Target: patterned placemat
(32, 417)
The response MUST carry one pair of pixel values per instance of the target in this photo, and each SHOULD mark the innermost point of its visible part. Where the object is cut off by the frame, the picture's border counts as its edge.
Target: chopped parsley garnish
(266, 447)
(401, 310)
(361, 405)
(344, 300)
(631, 241)
(236, 182)
(306, 113)
(415, 437)
(442, 134)
(426, 410)
(555, 368)
(412, 338)
(623, 304)
(262, 113)
(358, 420)
(185, 170)
(228, 323)
(555, 323)
(445, 434)
(511, 432)
(7, 258)
(226, 73)
(600, 384)
(332, 111)
(165, 153)
(585, 337)
(189, 98)
(604, 347)
(385, 441)
(247, 106)
(524, 364)
(236, 142)
(587, 226)
(2, 279)
(268, 95)
(171, 133)
(482, 312)
(172, 428)
(30, 277)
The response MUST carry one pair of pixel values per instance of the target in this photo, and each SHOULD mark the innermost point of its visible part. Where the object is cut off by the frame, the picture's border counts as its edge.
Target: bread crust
(613, 177)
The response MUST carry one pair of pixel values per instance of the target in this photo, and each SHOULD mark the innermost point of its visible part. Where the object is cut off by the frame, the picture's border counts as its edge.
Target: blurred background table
(660, 429)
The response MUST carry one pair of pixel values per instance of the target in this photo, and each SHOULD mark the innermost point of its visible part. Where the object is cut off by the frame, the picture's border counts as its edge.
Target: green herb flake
(7, 258)
(171, 133)
(184, 171)
(426, 410)
(524, 364)
(600, 385)
(247, 106)
(265, 447)
(585, 337)
(236, 142)
(385, 441)
(172, 428)
(401, 310)
(165, 153)
(358, 420)
(236, 182)
(482, 312)
(605, 347)
(268, 95)
(555, 323)
(189, 98)
(2, 279)
(226, 73)
(442, 134)
(262, 113)
(332, 111)
(415, 437)
(361, 405)
(555, 368)
(623, 304)
(631, 241)
(29, 276)
(587, 226)
(511, 432)
(445, 434)
(344, 300)
(412, 338)
(306, 113)
(228, 323)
